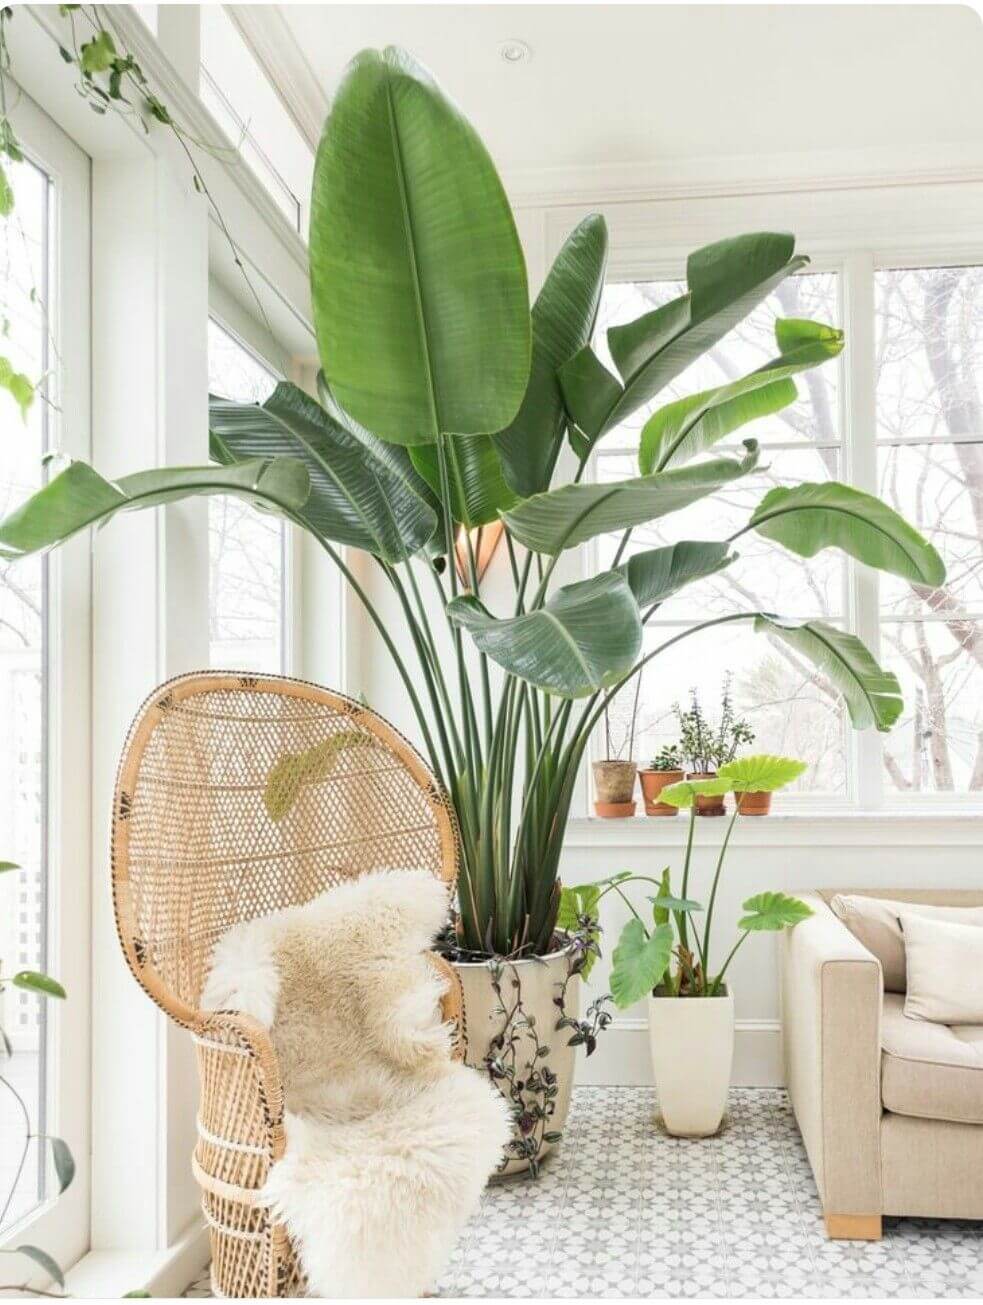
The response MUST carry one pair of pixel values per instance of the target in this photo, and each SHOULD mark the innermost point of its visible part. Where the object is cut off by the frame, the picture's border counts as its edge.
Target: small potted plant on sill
(664, 769)
(614, 779)
(666, 956)
(706, 747)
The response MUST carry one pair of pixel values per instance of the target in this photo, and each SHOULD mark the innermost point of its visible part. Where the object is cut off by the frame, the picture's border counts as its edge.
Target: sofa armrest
(832, 993)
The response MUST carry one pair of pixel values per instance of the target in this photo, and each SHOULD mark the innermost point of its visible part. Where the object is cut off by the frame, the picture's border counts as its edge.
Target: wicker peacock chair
(237, 796)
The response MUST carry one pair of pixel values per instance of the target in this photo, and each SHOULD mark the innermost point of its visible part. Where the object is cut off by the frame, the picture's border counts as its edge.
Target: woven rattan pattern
(196, 851)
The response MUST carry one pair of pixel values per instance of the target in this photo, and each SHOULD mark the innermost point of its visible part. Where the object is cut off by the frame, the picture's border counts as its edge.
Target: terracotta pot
(614, 810)
(692, 1044)
(753, 804)
(653, 782)
(614, 781)
(712, 804)
(539, 982)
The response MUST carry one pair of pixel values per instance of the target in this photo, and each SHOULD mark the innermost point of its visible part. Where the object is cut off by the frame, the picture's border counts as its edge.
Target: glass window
(930, 467)
(251, 114)
(246, 547)
(790, 708)
(25, 258)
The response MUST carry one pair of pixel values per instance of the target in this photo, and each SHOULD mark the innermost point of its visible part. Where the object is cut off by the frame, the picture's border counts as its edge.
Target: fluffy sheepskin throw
(389, 1142)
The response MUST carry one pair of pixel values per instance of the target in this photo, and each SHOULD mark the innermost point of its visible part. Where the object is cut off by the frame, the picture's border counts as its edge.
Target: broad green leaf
(43, 1260)
(725, 282)
(6, 194)
(872, 695)
(686, 791)
(639, 962)
(358, 496)
(761, 773)
(585, 638)
(666, 902)
(563, 319)
(32, 981)
(417, 276)
(80, 497)
(293, 770)
(658, 573)
(769, 912)
(563, 518)
(20, 387)
(474, 471)
(690, 426)
(660, 914)
(64, 1162)
(810, 517)
(5, 866)
(98, 54)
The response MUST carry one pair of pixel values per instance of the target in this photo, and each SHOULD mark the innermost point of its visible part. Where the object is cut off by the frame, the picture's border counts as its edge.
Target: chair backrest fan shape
(237, 796)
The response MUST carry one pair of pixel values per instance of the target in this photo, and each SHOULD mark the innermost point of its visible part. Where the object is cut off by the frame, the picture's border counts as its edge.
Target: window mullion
(859, 419)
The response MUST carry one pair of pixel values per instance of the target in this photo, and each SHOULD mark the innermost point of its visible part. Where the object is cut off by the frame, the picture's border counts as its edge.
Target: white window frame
(852, 231)
(61, 1223)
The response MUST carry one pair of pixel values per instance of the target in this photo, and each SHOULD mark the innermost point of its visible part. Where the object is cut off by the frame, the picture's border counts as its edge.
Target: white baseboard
(102, 1275)
(622, 1055)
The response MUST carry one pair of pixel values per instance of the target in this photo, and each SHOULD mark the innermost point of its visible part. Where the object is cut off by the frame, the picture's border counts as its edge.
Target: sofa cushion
(930, 1071)
(944, 963)
(874, 922)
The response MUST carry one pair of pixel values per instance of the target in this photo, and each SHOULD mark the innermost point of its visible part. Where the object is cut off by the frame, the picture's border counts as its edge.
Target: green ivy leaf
(639, 961)
(43, 984)
(6, 195)
(17, 385)
(42, 1259)
(98, 54)
(771, 912)
(64, 1162)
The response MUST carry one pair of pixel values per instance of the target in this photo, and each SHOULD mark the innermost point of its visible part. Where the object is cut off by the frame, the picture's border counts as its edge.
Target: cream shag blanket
(389, 1142)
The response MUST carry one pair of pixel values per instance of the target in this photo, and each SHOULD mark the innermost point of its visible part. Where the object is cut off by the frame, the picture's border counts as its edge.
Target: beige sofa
(890, 1108)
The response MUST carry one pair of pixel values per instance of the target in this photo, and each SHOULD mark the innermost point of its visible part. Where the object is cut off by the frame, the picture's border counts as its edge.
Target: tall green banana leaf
(356, 497)
(79, 497)
(585, 638)
(418, 279)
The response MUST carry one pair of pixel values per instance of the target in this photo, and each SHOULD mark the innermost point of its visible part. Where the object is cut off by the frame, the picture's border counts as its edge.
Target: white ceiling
(622, 84)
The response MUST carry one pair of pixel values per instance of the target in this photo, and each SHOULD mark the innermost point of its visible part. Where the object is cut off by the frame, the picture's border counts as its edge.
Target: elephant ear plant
(643, 960)
(446, 403)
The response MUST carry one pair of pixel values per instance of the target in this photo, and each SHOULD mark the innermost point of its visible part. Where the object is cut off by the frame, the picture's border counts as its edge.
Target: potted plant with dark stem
(665, 768)
(444, 403)
(666, 955)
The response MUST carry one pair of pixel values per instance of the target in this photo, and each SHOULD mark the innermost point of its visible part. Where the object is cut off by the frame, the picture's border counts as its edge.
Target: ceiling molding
(751, 174)
(276, 50)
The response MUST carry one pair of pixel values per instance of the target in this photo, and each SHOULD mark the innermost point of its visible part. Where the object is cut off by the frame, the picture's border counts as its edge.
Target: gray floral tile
(623, 1210)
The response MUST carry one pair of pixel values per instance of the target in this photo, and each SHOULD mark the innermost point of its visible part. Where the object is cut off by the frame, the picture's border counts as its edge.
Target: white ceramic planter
(692, 1044)
(527, 1025)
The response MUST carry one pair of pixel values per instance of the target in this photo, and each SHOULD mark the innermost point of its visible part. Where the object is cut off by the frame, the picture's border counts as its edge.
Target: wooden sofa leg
(853, 1227)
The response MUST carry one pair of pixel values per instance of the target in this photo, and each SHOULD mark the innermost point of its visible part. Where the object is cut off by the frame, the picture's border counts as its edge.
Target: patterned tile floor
(624, 1210)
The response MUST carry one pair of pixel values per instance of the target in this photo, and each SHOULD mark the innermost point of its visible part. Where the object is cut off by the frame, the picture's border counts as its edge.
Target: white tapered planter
(692, 1044)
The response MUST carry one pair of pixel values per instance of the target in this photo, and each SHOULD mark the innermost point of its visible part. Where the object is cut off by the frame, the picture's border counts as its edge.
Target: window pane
(815, 414)
(23, 621)
(929, 357)
(793, 711)
(937, 745)
(245, 546)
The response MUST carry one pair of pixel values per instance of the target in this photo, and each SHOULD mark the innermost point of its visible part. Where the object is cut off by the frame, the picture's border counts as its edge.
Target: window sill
(807, 827)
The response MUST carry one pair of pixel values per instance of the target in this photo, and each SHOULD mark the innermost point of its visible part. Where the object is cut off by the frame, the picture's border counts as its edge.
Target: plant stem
(730, 956)
(716, 880)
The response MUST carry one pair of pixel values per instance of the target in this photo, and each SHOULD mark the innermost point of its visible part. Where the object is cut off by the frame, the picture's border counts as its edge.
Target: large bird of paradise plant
(444, 404)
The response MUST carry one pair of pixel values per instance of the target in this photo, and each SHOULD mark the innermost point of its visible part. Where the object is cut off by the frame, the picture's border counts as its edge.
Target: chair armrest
(832, 994)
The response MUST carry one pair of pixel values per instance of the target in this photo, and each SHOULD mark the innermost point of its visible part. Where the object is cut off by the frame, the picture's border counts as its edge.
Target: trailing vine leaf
(771, 912)
(98, 54)
(6, 194)
(64, 1162)
(18, 386)
(41, 1258)
(32, 981)
(639, 962)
